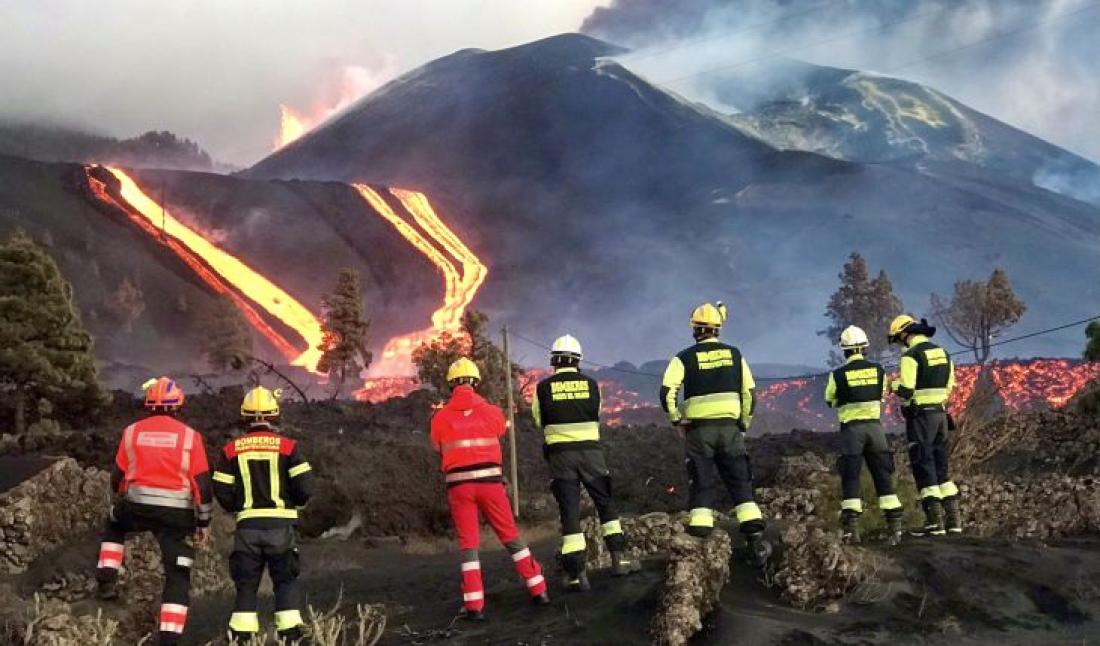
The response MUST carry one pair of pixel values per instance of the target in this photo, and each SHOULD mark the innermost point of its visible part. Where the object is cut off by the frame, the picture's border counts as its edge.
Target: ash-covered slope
(607, 206)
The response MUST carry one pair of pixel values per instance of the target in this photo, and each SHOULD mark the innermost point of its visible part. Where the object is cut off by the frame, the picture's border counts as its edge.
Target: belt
(461, 476)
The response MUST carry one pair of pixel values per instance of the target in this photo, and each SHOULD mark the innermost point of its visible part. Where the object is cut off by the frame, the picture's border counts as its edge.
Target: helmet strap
(564, 361)
(702, 332)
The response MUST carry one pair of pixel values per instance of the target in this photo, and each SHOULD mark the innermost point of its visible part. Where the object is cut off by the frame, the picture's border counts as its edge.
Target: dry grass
(43, 628)
(331, 628)
(978, 437)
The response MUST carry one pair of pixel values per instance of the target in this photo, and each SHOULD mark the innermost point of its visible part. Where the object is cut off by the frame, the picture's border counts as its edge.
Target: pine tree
(45, 351)
(860, 300)
(344, 328)
(433, 358)
(224, 337)
(978, 312)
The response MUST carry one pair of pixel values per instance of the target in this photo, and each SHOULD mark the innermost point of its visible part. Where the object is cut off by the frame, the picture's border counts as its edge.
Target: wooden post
(513, 468)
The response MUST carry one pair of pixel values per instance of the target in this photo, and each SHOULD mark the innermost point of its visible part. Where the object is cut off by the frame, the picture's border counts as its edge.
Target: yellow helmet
(463, 368)
(899, 325)
(260, 402)
(707, 315)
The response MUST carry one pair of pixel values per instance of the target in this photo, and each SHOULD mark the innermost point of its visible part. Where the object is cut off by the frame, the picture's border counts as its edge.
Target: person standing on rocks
(925, 383)
(856, 390)
(466, 432)
(566, 406)
(163, 480)
(717, 410)
(264, 479)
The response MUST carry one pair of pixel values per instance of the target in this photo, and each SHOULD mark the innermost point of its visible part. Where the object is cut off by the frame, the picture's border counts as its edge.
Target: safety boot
(894, 528)
(759, 549)
(472, 615)
(951, 515)
(107, 584)
(290, 636)
(933, 519)
(849, 527)
(623, 564)
(543, 599)
(578, 583)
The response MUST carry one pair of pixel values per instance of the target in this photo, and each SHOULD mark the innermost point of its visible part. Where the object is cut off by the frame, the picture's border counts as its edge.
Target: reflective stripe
(267, 513)
(468, 443)
(929, 396)
(287, 619)
(860, 411)
(171, 627)
(173, 608)
(535, 580)
(225, 478)
(185, 459)
(889, 502)
(244, 622)
(184, 561)
(299, 470)
(522, 554)
(948, 489)
(470, 566)
(713, 406)
(460, 476)
(575, 432)
(747, 511)
(160, 497)
(572, 543)
(106, 563)
(930, 492)
(473, 596)
(612, 527)
(131, 455)
(701, 517)
(852, 504)
(114, 548)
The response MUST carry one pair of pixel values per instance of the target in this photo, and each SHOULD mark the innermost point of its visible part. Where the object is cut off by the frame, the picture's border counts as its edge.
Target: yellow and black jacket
(716, 381)
(263, 479)
(927, 374)
(566, 406)
(856, 390)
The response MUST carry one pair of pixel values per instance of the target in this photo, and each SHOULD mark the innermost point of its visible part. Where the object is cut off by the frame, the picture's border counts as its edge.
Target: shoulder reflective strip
(225, 478)
(522, 554)
(889, 502)
(171, 627)
(474, 441)
(473, 596)
(535, 581)
(459, 476)
(300, 469)
(575, 432)
(612, 527)
(183, 561)
(572, 543)
(948, 489)
(287, 619)
(930, 492)
(131, 456)
(852, 504)
(701, 517)
(244, 622)
(747, 511)
(185, 458)
(267, 513)
(470, 566)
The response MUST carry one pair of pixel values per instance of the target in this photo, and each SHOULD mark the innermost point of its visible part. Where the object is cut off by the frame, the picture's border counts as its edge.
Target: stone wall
(697, 572)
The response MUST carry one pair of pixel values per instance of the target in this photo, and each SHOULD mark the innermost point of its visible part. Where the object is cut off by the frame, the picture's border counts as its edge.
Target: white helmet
(853, 338)
(567, 346)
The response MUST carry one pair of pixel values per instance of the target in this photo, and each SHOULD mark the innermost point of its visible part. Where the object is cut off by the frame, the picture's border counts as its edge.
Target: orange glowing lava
(290, 126)
(243, 278)
(342, 88)
(431, 237)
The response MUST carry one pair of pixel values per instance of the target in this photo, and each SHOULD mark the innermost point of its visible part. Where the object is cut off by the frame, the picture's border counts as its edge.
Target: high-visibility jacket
(466, 433)
(566, 406)
(162, 462)
(856, 390)
(263, 478)
(927, 373)
(716, 382)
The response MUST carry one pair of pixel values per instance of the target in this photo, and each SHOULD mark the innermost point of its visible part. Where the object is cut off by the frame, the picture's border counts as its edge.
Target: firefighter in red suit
(165, 488)
(466, 433)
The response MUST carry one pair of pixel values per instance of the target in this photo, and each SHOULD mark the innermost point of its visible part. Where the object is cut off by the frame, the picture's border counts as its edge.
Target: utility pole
(513, 469)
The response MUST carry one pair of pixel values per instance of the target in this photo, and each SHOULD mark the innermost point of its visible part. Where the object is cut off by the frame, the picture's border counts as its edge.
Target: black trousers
(865, 441)
(572, 469)
(715, 452)
(926, 430)
(272, 549)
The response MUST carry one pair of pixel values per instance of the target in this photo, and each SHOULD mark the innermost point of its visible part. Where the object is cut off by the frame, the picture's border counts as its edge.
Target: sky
(217, 70)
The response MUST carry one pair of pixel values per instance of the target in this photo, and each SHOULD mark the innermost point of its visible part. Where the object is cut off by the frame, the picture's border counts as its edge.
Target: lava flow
(459, 287)
(231, 270)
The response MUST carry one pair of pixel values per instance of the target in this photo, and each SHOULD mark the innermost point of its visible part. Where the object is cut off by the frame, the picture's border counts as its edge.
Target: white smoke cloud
(218, 71)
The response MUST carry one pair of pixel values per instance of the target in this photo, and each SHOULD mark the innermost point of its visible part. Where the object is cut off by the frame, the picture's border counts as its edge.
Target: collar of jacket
(557, 370)
(712, 339)
(854, 357)
(916, 340)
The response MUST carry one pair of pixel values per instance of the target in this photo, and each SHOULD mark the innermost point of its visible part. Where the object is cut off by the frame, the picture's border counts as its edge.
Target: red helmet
(163, 393)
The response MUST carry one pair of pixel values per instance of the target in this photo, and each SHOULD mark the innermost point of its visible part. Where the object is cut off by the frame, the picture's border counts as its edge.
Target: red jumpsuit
(466, 432)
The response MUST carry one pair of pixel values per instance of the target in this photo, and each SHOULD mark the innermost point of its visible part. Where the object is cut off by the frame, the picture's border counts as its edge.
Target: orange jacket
(466, 432)
(162, 462)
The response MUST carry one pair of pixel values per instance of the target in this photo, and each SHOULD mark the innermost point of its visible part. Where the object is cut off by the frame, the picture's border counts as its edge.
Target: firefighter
(925, 384)
(466, 433)
(566, 407)
(716, 412)
(163, 485)
(263, 479)
(856, 390)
